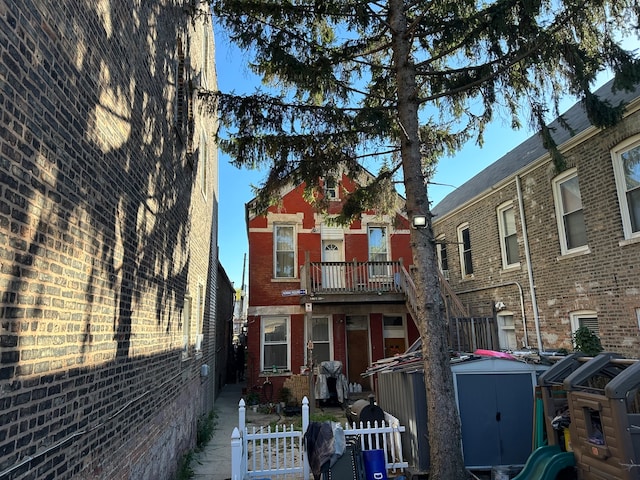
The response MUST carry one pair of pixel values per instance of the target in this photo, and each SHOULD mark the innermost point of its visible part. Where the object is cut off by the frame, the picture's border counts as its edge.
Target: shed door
(515, 402)
(496, 412)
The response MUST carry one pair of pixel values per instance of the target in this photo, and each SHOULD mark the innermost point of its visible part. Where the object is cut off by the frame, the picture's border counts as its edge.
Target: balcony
(389, 282)
(345, 282)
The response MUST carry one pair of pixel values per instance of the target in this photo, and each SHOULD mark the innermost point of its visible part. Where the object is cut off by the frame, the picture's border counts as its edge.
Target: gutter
(631, 108)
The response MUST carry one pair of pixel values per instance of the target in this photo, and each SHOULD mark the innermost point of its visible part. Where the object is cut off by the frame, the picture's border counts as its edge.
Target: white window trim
(502, 328)
(275, 250)
(202, 163)
(374, 270)
(463, 270)
(395, 331)
(287, 319)
(186, 327)
(200, 299)
(205, 54)
(559, 208)
(335, 197)
(621, 187)
(503, 235)
(577, 315)
(440, 242)
(399, 332)
(386, 237)
(307, 335)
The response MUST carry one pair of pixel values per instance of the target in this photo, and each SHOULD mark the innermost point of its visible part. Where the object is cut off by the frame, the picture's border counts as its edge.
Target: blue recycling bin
(375, 465)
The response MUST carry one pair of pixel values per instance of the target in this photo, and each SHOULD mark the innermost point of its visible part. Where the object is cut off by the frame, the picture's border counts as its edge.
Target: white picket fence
(279, 451)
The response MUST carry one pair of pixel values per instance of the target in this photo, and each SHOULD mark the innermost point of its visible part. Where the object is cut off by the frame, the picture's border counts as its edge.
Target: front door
(333, 264)
(358, 349)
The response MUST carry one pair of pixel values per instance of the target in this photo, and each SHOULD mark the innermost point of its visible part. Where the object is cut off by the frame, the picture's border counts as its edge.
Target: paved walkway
(214, 461)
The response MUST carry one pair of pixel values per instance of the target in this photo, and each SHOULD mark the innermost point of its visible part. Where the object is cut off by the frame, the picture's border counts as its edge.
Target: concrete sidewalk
(214, 461)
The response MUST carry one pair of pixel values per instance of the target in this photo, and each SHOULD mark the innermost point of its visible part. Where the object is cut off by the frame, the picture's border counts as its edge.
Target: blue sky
(235, 184)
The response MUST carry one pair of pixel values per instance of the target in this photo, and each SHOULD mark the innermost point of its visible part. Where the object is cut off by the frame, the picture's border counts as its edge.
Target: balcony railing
(391, 278)
(353, 277)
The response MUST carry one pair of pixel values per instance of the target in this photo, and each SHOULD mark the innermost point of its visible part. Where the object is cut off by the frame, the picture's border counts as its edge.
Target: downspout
(527, 254)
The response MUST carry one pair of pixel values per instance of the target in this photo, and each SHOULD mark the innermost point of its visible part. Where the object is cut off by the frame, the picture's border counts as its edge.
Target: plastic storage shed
(495, 399)
(604, 404)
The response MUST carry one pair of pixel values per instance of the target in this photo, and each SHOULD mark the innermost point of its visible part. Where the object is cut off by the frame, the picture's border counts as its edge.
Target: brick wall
(225, 368)
(106, 223)
(605, 280)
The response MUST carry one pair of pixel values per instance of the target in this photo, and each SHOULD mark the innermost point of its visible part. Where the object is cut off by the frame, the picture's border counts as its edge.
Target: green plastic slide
(545, 463)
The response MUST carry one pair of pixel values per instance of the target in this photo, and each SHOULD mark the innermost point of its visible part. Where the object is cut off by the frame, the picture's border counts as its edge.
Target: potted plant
(253, 398)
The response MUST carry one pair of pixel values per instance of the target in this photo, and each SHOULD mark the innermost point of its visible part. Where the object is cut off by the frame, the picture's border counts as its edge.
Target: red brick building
(340, 288)
(548, 252)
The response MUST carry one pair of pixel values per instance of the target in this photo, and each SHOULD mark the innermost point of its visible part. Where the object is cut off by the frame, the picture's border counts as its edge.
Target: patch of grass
(185, 471)
(316, 417)
(323, 417)
(274, 424)
(206, 427)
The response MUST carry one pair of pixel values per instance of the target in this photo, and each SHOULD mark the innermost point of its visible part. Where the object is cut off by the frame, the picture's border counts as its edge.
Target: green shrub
(285, 395)
(253, 398)
(185, 472)
(316, 417)
(206, 426)
(587, 342)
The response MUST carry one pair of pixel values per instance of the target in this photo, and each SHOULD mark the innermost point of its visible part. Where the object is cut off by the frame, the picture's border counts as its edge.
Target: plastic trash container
(375, 465)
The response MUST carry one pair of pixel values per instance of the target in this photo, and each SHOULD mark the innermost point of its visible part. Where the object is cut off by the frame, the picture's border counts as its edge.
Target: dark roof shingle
(528, 151)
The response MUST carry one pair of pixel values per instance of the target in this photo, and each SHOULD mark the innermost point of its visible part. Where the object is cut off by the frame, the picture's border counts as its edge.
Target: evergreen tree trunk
(443, 421)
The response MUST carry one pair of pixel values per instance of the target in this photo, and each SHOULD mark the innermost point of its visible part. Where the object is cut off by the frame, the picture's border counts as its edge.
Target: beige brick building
(547, 252)
(108, 227)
